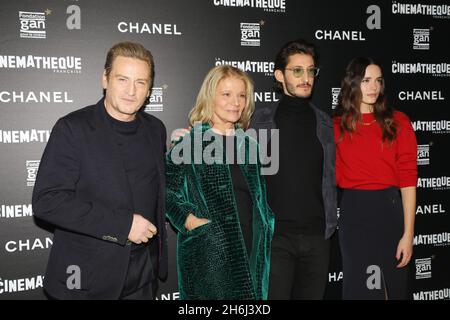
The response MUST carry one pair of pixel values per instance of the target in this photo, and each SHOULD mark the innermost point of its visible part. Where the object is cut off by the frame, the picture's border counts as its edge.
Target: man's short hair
(129, 50)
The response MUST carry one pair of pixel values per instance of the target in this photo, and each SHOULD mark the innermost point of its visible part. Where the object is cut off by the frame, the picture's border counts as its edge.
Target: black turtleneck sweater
(139, 165)
(295, 192)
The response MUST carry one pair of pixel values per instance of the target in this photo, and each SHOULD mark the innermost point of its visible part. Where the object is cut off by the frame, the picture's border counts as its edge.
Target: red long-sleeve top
(365, 162)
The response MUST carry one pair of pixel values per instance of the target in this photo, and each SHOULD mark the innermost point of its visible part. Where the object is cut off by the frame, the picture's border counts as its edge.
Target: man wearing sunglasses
(302, 193)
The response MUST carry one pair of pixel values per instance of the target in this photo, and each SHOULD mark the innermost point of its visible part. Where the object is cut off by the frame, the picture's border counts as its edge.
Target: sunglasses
(298, 72)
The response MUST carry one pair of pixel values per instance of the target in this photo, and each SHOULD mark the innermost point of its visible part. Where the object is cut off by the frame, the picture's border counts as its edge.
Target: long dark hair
(350, 98)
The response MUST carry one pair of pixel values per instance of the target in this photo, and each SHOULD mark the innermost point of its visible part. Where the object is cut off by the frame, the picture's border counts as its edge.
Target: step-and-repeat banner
(51, 59)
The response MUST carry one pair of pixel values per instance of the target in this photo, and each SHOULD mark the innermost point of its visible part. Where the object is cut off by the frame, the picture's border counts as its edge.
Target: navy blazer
(82, 189)
(263, 118)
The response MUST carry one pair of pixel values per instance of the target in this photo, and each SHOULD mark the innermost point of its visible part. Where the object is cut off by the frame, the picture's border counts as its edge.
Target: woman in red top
(376, 156)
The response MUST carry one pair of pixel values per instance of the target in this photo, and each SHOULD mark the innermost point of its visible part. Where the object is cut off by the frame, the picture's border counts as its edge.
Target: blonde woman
(218, 202)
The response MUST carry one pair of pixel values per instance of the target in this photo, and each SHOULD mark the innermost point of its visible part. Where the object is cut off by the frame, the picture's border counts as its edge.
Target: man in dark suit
(101, 183)
(302, 194)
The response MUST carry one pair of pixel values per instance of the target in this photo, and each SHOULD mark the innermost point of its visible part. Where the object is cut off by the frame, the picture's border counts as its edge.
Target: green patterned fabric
(212, 260)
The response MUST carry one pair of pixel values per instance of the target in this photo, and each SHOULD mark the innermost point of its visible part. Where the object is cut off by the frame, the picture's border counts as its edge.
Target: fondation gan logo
(423, 154)
(250, 34)
(156, 100)
(335, 97)
(32, 24)
(423, 268)
(421, 39)
(32, 167)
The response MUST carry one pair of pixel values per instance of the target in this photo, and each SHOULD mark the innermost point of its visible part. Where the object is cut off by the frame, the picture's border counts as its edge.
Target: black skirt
(370, 228)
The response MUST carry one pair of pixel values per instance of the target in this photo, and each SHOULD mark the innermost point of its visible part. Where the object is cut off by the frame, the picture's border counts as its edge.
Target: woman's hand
(404, 250)
(177, 134)
(193, 222)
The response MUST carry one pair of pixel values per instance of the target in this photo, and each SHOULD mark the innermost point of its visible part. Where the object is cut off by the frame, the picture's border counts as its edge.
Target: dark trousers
(298, 267)
(370, 227)
(141, 282)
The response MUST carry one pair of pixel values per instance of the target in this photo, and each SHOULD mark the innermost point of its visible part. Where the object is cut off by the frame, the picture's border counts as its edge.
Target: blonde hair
(203, 109)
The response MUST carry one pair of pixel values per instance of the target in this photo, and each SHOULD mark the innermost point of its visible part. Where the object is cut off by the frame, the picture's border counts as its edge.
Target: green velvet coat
(212, 260)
